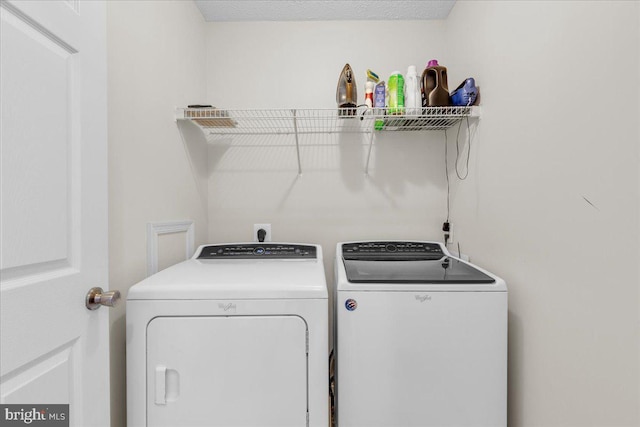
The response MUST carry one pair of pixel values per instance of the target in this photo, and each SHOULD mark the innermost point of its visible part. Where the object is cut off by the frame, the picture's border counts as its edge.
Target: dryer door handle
(161, 385)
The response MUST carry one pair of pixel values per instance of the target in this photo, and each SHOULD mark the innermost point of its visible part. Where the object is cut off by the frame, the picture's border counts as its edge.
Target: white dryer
(235, 336)
(421, 338)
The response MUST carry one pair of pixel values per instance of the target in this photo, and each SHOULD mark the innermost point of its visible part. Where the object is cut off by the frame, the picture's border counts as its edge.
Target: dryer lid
(238, 277)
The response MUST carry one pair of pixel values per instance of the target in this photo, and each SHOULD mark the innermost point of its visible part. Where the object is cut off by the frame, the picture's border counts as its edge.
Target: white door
(54, 350)
(227, 371)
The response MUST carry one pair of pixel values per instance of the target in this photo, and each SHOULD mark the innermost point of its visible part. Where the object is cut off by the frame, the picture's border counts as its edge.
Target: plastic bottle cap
(432, 63)
(395, 72)
(412, 70)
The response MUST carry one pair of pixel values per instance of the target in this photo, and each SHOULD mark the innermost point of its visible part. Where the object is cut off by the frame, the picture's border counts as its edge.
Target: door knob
(97, 297)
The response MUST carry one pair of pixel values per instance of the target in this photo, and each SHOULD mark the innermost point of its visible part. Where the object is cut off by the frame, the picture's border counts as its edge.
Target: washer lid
(443, 270)
(408, 266)
(237, 278)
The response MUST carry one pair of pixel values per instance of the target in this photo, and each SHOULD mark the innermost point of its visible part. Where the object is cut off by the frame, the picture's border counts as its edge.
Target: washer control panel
(258, 250)
(391, 251)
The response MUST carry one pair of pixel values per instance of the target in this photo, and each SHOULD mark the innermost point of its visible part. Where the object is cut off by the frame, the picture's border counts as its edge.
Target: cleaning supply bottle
(435, 90)
(368, 93)
(379, 104)
(396, 93)
(412, 98)
(379, 96)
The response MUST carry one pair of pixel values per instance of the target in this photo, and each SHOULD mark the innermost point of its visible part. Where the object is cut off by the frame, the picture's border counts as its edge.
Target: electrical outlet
(265, 227)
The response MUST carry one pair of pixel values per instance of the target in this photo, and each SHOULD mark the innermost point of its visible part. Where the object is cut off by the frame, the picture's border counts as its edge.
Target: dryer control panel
(396, 251)
(258, 250)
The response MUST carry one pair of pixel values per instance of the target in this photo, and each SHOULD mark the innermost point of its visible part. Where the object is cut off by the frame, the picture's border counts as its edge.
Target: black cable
(446, 227)
(366, 110)
(332, 395)
(446, 171)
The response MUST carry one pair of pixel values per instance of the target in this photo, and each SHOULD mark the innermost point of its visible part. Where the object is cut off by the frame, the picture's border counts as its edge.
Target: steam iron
(346, 92)
(465, 94)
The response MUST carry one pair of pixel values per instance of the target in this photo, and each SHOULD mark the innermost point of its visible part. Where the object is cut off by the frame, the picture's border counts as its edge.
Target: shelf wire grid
(313, 121)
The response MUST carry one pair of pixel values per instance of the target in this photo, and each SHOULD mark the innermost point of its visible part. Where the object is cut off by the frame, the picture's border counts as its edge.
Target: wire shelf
(215, 121)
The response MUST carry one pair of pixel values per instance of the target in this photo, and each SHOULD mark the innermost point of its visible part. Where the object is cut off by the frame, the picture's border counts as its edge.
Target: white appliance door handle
(161, 385)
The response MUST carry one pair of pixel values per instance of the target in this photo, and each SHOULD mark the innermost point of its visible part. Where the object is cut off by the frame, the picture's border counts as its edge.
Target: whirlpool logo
(229, 307)
(423, 298)
(37, 415)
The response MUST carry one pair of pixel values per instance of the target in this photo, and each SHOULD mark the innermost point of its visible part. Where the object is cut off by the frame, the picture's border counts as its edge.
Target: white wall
(551, 203)
(543, 146)
(296, 65)
(156, 62)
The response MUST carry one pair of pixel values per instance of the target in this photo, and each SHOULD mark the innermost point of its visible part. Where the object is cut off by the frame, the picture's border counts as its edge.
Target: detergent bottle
(435, 90)
(396, 93)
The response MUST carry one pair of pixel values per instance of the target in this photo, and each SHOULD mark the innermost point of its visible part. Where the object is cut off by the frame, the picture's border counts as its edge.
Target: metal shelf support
(295, 129)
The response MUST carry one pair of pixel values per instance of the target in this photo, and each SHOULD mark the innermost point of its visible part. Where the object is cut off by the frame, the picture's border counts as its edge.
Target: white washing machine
(235, 336)
(421, 338)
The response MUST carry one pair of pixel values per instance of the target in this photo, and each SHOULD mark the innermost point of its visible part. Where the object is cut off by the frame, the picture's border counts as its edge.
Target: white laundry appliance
(236, 336)
(421, 338)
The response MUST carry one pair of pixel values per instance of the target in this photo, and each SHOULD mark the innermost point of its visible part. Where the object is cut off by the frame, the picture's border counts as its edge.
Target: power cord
(446, 226)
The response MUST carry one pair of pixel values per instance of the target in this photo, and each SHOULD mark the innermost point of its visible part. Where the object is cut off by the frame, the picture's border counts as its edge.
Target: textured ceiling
(330, 10)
